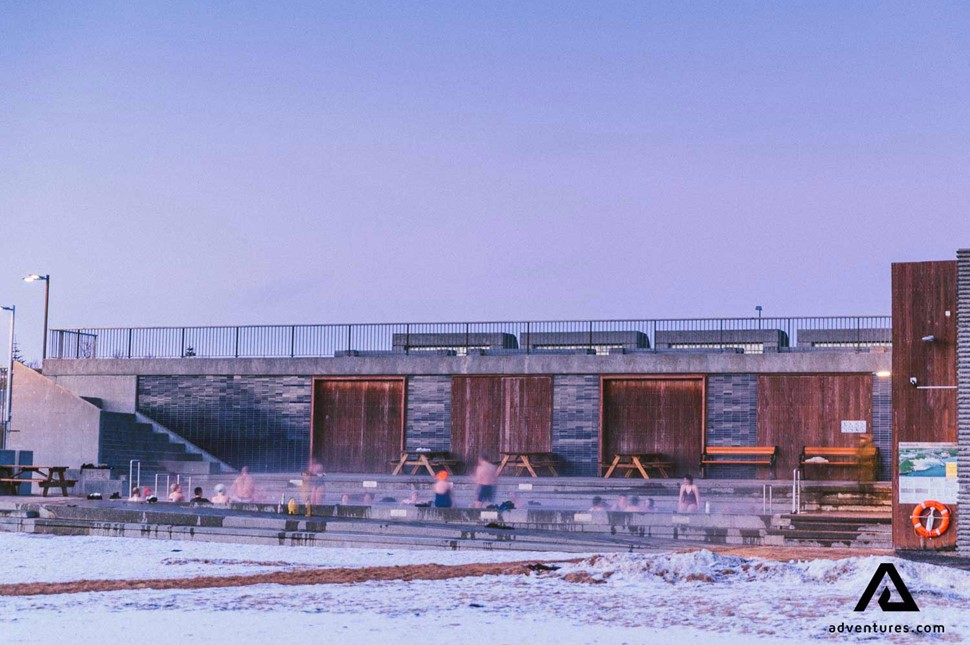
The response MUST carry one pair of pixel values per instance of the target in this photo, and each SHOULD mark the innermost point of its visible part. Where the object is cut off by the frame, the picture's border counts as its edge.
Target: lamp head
(34, 277)
(10, 308)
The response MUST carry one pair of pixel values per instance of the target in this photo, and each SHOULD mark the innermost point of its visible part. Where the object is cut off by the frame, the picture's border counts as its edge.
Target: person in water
(689, 499)
(442, 491)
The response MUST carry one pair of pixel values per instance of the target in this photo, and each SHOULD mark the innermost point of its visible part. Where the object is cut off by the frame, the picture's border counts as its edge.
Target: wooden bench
(740, 455)
(848, 457)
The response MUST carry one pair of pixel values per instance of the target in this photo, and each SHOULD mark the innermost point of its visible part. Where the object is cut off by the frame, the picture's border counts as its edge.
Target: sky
(188, 163)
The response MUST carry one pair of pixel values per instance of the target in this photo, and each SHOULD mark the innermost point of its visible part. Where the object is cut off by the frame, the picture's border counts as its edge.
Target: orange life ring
(917, 518)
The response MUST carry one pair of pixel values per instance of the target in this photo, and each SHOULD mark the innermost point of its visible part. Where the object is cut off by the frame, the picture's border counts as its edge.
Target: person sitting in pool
(442, 491)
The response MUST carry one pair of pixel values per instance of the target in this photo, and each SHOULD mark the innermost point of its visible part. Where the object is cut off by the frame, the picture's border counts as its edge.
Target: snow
(28, 558)
(695, 597)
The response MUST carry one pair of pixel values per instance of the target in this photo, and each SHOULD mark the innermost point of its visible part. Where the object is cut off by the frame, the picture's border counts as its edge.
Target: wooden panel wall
(808, 410)
(358, 424)
(922, 294)
(490, 414)
(664, 415)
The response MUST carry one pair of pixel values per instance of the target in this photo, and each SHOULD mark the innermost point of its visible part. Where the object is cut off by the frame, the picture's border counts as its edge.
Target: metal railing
(847, 333)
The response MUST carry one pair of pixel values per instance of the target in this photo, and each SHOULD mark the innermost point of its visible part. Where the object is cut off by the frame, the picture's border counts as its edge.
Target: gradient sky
(227, 162)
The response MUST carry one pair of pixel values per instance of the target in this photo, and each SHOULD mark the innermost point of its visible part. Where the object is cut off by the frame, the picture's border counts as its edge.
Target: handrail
(600, 336)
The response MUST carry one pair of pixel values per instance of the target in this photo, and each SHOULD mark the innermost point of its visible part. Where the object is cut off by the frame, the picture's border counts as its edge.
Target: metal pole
(9, 403)
(47, 302)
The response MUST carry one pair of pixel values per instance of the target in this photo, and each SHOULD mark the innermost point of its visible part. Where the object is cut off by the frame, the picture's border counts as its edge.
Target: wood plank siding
(358, 424)
(808, 410)
(664, 415)
(490, 414)
(922, 294)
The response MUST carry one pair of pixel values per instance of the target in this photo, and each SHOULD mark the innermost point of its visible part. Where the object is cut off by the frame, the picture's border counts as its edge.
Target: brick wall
(428, 416)
(575, 423)
(882, 424)
(963, 395)
(255, 421)
(732, 418)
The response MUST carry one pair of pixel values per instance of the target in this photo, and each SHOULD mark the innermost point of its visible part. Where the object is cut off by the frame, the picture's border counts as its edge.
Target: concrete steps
(869, 530)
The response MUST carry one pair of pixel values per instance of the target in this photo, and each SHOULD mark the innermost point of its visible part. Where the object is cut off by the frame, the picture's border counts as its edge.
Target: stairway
(872, 530)
(123, 438)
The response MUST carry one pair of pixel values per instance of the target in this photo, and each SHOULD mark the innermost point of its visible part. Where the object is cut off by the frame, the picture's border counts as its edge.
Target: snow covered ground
(698, 597)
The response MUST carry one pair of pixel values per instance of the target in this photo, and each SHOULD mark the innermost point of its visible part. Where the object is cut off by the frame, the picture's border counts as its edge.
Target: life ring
(917, 518)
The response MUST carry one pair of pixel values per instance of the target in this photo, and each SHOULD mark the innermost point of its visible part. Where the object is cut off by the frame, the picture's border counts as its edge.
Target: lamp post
(9, 402)
(758, 308)
(34, 277)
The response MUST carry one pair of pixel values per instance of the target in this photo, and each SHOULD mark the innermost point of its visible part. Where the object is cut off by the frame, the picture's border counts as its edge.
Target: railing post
(528, 338)
(292, 341)
(182, 343)
(237, 342)
(466, 339)
(130, 332)
(590, 334)
(407, 338)
(349, 328)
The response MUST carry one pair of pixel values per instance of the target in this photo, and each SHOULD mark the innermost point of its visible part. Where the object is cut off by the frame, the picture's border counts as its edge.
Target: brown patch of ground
(300, 577)
(785, 553)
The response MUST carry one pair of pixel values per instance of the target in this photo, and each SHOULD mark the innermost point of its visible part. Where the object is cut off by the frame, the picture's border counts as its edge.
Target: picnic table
(46, 477)
(641, 462)
(427, 459)
(529, 461)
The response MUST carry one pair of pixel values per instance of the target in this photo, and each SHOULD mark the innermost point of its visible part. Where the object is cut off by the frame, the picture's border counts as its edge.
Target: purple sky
(218, 163)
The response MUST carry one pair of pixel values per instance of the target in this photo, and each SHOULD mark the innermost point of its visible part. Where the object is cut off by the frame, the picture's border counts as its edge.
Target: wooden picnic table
(641, 462)
(47, 477)
(427, 459)
(529, 461)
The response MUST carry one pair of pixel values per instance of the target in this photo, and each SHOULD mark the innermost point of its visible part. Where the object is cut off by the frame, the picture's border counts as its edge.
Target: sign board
(927, 471)
(853, 427)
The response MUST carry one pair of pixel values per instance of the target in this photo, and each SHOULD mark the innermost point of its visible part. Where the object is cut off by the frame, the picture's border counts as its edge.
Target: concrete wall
(118, 393)
(963, 394)
(637, 363)
(59, 427)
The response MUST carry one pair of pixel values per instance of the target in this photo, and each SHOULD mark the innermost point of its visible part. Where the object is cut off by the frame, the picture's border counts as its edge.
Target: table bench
(849, 457)
(639, 462)
(47, 477)
(740, 455)
(427, 459)
(529, 461)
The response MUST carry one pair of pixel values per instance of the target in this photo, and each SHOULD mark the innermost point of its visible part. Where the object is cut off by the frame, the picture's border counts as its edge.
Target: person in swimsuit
(442, 491)
(689, 499)
(486, 479)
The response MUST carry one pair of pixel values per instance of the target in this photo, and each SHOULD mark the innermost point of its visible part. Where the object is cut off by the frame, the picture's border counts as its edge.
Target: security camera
(913, 381)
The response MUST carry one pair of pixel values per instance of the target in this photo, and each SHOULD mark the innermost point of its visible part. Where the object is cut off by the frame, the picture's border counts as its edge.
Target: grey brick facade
(732, 418)
(963, 395)
(256, 421)
(575, 423)
(428, 415)
(882, 424)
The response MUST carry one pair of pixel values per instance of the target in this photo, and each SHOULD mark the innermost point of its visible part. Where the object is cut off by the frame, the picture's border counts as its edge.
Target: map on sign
(927, 471)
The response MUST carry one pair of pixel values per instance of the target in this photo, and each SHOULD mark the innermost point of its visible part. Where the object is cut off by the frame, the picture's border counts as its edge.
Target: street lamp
(34, 277)
(9, 403)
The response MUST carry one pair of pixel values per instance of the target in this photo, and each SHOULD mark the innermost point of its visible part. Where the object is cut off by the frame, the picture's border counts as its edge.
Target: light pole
(758, 309)
(9, 403)
(33, 277)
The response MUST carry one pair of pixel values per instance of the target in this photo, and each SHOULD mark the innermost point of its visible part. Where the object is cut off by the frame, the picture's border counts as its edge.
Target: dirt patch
(785, 553)
(301, 577)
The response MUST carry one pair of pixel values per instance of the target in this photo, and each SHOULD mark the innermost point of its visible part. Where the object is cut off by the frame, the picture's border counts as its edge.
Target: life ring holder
(917, 518)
